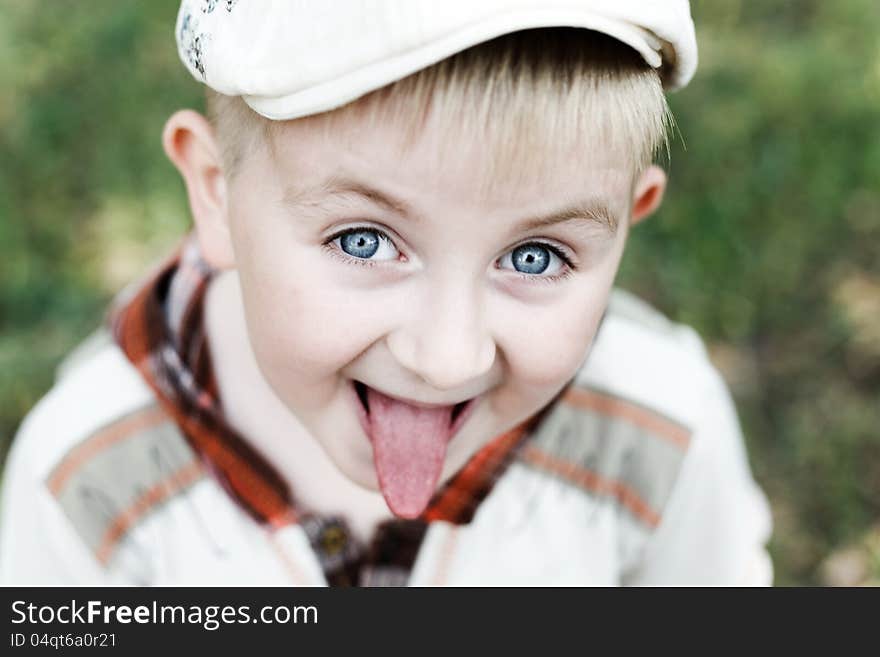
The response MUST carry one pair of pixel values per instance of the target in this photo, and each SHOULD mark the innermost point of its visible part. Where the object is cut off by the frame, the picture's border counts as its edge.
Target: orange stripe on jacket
(150, 498)
(593, 482)
(641, 417)
(82, 453)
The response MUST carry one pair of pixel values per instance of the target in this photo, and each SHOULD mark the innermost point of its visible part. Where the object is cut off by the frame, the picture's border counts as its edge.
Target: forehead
(448, 159)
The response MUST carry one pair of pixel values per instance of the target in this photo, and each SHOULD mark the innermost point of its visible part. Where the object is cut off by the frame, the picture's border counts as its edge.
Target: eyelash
(364, 262)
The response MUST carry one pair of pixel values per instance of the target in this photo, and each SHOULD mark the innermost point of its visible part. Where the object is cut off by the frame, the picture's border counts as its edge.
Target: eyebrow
(590, 212)
(342, 186)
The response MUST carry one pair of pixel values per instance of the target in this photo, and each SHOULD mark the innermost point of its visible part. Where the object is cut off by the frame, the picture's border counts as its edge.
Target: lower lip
(364, 417)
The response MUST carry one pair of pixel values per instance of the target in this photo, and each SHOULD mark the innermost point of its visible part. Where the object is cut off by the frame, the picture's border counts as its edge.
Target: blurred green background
(768, 242)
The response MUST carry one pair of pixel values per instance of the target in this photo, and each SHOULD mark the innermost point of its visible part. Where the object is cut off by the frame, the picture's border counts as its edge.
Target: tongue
(409, 447)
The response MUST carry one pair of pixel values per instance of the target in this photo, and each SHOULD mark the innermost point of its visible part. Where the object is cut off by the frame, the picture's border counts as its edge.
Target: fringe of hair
(526, 97)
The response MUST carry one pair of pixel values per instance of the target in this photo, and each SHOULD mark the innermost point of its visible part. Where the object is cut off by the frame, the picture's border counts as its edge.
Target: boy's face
(450, 285)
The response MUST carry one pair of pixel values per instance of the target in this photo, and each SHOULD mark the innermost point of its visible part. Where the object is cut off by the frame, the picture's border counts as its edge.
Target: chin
(355, 464)
(366, 480)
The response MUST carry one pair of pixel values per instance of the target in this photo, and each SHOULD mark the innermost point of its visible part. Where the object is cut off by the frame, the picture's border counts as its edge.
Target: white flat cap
(292, 58)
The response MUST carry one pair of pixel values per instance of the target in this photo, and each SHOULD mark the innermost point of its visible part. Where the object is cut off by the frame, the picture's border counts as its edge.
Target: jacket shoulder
(641, 355)
(102, 448)
(95, 385)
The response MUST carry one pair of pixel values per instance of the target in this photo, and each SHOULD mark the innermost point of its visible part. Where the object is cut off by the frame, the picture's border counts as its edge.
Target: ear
(188, 140)
(648, 193)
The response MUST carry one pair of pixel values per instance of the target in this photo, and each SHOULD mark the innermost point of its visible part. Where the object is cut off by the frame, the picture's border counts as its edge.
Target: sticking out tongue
(409, 448)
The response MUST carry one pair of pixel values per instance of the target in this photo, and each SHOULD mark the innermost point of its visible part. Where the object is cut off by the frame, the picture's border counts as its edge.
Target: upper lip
(413, 402)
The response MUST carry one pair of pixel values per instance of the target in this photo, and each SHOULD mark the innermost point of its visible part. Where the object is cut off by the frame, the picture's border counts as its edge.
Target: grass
(767, 243)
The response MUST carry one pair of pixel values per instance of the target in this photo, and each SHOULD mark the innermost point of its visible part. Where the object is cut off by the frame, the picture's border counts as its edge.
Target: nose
(444, 338)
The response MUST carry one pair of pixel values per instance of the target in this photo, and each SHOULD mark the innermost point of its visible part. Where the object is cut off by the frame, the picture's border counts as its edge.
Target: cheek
(303, 325)
(549, 354)
(548, 347)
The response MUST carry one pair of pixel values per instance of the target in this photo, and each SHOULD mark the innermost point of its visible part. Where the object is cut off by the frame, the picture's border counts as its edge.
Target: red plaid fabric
(160, 328)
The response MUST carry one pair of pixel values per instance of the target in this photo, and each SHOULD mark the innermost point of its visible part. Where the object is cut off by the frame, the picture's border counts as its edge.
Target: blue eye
(531, 259)
(366, 244)
(542, 261)
(360, 244)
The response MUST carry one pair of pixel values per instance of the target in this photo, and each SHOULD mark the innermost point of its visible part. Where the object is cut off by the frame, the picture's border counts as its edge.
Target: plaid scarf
(159, 325)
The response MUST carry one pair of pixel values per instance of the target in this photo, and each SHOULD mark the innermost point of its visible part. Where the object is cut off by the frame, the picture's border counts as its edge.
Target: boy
(390, 353)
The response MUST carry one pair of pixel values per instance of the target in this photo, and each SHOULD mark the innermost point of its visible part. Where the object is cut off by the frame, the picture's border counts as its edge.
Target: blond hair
(515, 94)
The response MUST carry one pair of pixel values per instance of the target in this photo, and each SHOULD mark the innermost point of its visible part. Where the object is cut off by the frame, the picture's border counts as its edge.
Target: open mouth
(457, 409)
